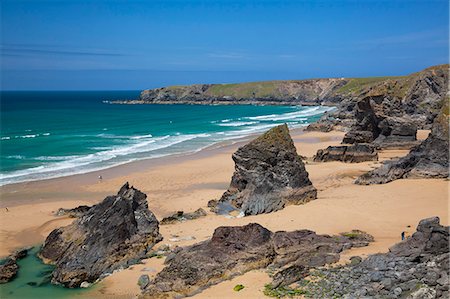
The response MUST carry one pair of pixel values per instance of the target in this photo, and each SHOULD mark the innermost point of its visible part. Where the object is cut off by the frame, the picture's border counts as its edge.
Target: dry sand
(187, 183)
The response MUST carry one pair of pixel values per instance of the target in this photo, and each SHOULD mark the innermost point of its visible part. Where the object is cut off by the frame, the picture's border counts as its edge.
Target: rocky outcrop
(9, 266)
(415, 268)
(428, 160)
(347, 153)
(416, 97)
(112, 234)
(181, 216)
(373, 124)
(269, 174)
(235, 250)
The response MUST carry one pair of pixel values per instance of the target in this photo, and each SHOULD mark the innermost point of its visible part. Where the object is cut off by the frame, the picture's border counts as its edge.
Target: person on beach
(100, 178)
(403, 236)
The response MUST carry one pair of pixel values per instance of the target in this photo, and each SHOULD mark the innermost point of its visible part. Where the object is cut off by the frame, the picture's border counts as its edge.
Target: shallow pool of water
(33, 282)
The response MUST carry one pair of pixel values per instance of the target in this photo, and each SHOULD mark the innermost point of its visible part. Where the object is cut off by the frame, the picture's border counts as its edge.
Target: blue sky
(111, 44)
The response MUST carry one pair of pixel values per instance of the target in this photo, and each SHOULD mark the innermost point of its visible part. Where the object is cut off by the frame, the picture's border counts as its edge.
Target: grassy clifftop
(289, 92)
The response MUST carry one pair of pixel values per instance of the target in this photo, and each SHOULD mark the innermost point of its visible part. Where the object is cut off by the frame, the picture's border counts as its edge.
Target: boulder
(232, 251)
(347, 153)
(428, 160)
(113, 234)
(269, 174)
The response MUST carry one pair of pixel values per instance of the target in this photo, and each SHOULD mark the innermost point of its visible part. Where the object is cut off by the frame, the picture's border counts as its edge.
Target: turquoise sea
(52, 134)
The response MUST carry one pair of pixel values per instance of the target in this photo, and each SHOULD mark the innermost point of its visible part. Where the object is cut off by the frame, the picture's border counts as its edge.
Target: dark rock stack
(347, 153)
(9, 267)
(428, 160)
(380, 119)
(235, 250)
(112, 234)
(269, 174)
(415, 268)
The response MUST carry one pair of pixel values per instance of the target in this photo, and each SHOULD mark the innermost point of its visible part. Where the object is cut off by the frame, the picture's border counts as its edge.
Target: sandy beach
(189, 182)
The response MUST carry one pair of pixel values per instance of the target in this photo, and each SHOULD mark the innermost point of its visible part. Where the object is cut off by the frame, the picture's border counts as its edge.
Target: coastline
(188, 182)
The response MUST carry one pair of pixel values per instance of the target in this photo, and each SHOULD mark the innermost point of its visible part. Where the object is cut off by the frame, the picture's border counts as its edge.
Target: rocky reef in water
(269, 174)
(232, 251)
(113, 234)
(9, 267)
(417, 268)
(428, 160)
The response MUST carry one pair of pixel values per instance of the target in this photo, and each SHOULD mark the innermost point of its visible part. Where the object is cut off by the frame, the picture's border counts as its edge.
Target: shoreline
(126, 168)
(189, 182)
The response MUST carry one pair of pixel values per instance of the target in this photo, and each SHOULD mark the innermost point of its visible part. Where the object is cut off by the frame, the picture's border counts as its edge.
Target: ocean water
(53, 134)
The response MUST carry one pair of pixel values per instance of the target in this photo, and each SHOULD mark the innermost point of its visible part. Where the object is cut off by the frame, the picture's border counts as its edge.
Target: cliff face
(367, 104)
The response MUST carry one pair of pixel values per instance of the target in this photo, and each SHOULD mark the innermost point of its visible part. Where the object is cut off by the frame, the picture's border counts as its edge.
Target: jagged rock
(231, 251)
(347, 153)
(113, 234)
(428, 160)
(269, 174)
(9, 267)
(181, 216)
(380, 119)
(417, 267)
(235, 250)
(73, 213)
(396, 132)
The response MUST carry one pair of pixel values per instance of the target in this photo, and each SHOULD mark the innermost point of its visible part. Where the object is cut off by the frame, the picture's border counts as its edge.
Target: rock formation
(428, 160)
(415, 268)
(112, 234)
(182, 216)
(269, 174)
(235, 250)
(373, 123)
(416, 97)
(347, 153)
(9, 267)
